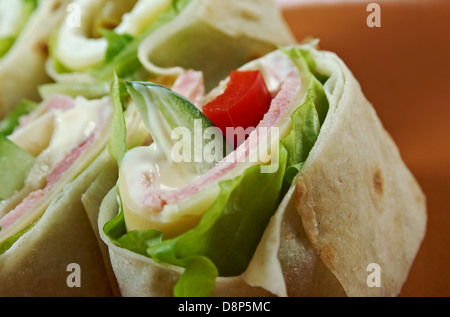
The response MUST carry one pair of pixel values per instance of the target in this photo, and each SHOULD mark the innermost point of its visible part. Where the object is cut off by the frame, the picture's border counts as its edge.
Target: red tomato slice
(243, 104)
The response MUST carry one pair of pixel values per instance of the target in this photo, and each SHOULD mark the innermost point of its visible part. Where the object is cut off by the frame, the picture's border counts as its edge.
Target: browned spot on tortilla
(109, 25)
(249, 15)
(41, 48)
(378, 182)
(56, 6)
(327, 255)
(300, 191)
(289, 236)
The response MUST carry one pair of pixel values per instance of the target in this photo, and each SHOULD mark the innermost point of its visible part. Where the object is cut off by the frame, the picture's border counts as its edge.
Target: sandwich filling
(63, 136)
(207, 214)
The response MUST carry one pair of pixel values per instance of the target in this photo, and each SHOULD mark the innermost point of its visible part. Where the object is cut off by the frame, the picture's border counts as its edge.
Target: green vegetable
(11, 121)
(307, 119)
(116, 42)
(118, 134)
(137, 241)
(6, 244)
(14, 166)
(5, 44)
(122, 57)
(176, 111)
(93, 90)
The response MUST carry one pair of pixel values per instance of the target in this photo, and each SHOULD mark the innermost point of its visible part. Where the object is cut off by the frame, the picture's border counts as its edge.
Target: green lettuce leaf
(94, 90)
(116, 42)
(5, 44)
(7, 243)
(122, 57)
(137, 240)
(118, 133)
(307, 119)
(11, 121)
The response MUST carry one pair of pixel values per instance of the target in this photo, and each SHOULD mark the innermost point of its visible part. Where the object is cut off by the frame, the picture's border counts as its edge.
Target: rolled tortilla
(354, 203)
(151, 32)
(22, 68)
(79, 45)
(230, 32)
(39, 263)
(44, 226)
(356, 171)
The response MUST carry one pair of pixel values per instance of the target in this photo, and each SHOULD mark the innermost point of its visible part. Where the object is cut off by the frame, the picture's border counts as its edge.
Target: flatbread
(230, 33)
(358, 201)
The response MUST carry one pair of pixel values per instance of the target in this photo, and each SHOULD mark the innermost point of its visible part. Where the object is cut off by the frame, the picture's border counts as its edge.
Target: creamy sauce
(76, 50)
(51, 136)
(72, 127)
(144, 13)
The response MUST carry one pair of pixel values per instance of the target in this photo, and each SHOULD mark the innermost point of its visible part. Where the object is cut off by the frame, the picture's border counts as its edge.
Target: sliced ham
(56, 102)
(190, 85)
(55, 175)
(60, 102)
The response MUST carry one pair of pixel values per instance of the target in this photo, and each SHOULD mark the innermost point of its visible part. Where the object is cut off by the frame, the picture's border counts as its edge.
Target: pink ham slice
(190, 85)
(62, 103)
(36, 196)
(156, 199)
(57, 102)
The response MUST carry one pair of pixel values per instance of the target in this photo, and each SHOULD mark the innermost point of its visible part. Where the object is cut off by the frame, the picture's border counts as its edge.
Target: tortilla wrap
(37, 264)
(353, 203)
(242, 29)
(22, 69)
(44, 225)
(230, 32)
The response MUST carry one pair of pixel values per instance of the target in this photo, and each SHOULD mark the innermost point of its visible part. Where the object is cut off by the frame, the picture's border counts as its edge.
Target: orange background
(404, 70)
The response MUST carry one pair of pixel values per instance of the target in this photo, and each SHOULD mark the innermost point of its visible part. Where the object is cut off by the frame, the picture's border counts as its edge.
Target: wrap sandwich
(293, 188)
(124, 36)
(25, 28)
(46, 164)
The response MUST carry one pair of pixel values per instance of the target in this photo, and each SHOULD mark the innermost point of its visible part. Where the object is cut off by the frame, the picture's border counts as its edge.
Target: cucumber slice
(164, 110)
(14, 166)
